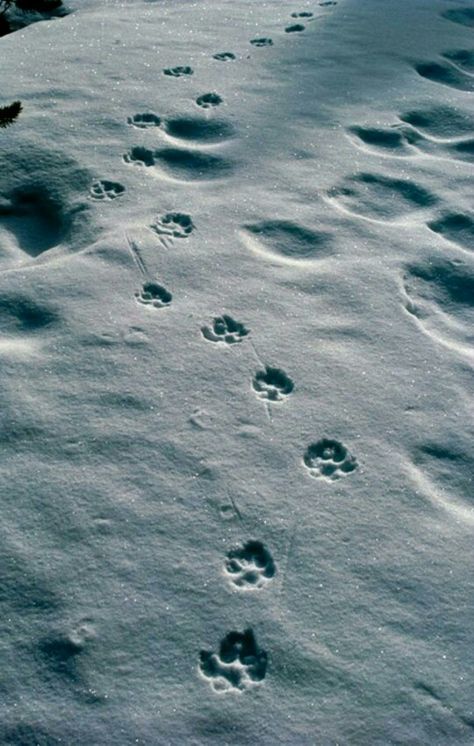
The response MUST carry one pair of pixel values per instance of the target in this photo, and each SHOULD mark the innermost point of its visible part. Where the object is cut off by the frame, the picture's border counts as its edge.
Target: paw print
(250, 567)
(225, 329)
(153, 295)
(179, 71)
(208, 100)
(272, 384)
(296, 27)
(262, 42)
(329, 459)
(106, 190)
(224, 56)
(142, 121)
(238, 665)
(174, 224)
(140, 156)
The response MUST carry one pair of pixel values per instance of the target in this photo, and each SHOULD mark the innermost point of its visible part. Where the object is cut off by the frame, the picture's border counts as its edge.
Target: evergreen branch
(9, 113)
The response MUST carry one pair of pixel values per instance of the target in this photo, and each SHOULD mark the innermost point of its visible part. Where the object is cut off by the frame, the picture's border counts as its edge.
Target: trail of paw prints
(239, 665)
(250, 567)
(105, 190)
(225, 330)
(439, 295)
(329, 460)
(181, 71)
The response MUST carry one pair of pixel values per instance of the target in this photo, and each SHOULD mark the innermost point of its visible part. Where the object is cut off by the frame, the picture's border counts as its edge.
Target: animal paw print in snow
(142, 121)
(296, 27)
(208, 100)
(272, 384)
(153, 295)
(329, 459)
(238, 665)
(174, 224)
(106, 190)
(250, 567)
(225, 329)
(179, 71)
(224, 56)
(262, 42)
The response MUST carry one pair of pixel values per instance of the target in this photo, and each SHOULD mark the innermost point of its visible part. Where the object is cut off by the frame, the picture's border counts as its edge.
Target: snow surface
(236, 312)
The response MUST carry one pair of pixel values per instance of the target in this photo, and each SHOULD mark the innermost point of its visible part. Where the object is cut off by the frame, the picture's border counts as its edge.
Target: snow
(236, 311)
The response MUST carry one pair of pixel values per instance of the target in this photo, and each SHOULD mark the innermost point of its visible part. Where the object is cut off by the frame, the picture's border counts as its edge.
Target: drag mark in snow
(151, 294)
(137, 257)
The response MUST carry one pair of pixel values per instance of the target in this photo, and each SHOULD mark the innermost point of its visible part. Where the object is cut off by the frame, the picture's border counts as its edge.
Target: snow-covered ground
(236, 314)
